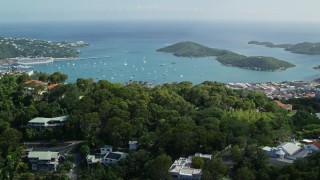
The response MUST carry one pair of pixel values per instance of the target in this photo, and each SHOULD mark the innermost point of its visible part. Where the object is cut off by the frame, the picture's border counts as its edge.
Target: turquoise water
(131, 47)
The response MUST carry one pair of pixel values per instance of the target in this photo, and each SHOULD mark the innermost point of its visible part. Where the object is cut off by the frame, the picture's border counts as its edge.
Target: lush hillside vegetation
(21, 47)
(169, 121)
(300, 48)
(225, 57)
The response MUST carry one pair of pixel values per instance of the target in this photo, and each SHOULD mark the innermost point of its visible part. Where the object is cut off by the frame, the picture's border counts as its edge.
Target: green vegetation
(169, 121)
(21, 47)
(225, 57)
(300, 48)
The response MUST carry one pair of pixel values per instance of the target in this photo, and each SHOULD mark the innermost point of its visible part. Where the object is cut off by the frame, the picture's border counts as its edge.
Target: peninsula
(225, 57)
(300, 48)
(31, 48)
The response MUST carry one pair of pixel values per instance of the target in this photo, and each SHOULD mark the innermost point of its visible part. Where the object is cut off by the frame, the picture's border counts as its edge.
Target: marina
(112, 57)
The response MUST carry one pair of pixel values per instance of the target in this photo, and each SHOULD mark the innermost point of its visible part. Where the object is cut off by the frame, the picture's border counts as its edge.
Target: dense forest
(168, 121)
(225, 57)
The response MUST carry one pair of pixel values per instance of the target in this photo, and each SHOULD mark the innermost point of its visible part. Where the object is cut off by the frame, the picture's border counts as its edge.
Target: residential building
(313, 146)
(106, 156)
(113, 157)
(105, 149)
(43, 160)
(287, 152)
(284, 150)
(133, 145)
(181, 168)
(91, 159)
(44, 123)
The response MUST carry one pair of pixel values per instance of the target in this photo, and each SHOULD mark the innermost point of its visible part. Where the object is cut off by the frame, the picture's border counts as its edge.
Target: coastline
(30, 61)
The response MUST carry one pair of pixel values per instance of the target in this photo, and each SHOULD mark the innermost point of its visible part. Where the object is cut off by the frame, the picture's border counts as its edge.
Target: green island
(22, 47)
(225, 57)
(299, 48)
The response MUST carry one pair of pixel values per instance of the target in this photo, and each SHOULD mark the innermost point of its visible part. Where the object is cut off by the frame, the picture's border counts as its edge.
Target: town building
(44, 123)
(43, 160)
(181, 168)
(106, 156)
(113, 157)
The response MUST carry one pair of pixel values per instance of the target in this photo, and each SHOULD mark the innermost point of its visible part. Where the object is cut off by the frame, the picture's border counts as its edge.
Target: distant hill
(22, 47)
(225, 57)
(300, 48)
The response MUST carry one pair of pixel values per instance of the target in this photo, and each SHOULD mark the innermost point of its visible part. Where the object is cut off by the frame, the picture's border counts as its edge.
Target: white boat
(144, 60)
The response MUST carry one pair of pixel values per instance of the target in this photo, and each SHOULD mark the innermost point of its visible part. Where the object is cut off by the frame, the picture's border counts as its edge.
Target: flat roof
(289, 147)
(43, 155)
(115, 155)
(90, 157)
(45, 120)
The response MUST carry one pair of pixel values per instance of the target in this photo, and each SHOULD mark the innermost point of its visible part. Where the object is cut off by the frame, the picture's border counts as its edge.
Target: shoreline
(44, 60)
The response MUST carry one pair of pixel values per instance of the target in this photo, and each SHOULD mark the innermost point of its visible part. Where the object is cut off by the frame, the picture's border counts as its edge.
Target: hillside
(300, 48)
(225, 57)
(22, 47)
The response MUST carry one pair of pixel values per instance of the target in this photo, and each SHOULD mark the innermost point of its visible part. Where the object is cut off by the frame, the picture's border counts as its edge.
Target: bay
(126, 50)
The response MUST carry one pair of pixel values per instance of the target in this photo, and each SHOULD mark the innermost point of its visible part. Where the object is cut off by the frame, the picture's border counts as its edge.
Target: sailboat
(125, 62)
(144, 60)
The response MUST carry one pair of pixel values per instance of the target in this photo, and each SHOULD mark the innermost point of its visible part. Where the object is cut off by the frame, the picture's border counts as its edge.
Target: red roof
(316, 143)
(279, 103)
(52, 86)
(34, 81)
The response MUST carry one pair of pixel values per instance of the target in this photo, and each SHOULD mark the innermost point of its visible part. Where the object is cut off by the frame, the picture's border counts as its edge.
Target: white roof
(133, 142)
(307, 140)
(46, 120)
(186, 171)
(90, 157)
(289, 147)
(267, 148)
(43, 155)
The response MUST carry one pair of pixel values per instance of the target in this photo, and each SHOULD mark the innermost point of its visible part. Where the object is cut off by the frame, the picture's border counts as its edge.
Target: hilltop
(226, 57)
(300, 48)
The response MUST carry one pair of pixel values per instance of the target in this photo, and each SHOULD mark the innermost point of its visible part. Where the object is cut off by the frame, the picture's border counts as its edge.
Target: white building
(107, 156)
(91, 159)
(284, 150)
(44, 123)
(43, 160)
(181, 168)
(113, 157)
(313, 146)
(105, 149)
